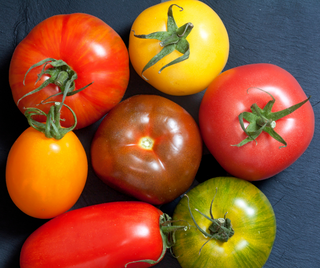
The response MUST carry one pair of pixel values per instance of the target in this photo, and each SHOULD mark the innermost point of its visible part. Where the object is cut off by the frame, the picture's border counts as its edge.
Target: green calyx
(52, 127)
(264, 120)
(62, 75)
(220, 229)
(172, 39)
(167, 231)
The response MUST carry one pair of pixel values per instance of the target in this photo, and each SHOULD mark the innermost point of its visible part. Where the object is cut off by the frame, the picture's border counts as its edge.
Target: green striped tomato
(252, 219)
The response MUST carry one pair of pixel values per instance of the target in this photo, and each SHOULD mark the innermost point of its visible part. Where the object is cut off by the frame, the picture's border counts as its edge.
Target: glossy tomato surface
(91, 48)
(233, 92)
(104, 235)
(208, 42)
(148, 147)
(252, 219)
(45, 177)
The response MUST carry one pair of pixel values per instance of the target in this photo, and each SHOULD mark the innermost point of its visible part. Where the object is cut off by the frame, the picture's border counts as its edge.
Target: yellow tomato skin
(45, 177)
(208, 40)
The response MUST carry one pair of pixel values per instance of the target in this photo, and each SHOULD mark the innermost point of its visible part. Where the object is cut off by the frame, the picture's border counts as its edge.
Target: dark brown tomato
(148, 147)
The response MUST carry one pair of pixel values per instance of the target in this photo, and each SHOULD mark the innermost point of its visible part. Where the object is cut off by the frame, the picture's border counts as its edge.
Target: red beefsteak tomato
(260, 143)
(105, 235)
(148, 147)
(77, 50)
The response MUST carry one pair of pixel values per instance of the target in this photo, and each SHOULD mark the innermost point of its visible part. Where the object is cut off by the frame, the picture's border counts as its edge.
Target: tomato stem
(264, 120)
(52, 127)
(167, 231)
(146, 143)
(220, 228)
(172, 39)
(61, 74)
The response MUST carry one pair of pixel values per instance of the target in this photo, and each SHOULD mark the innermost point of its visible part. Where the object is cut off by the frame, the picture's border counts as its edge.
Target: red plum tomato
(105, 235)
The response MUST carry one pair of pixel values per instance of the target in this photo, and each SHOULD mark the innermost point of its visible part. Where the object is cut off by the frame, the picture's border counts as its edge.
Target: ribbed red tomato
(90, 48)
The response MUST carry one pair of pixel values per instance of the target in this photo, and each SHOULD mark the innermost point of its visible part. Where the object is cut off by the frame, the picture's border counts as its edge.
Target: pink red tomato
(232, 93)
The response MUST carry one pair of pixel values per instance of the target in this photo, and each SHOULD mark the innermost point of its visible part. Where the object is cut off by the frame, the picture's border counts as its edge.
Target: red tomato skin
(227, 97)
(157, 175)
(104, 235)
(91, 48)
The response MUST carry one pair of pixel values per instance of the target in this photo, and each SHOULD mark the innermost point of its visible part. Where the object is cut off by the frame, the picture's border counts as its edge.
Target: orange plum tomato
(179, 47)
(148, 147)
(256, 120)
(44, 176)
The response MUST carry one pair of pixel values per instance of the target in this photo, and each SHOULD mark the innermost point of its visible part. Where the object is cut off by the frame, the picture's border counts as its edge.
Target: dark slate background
(285, 33)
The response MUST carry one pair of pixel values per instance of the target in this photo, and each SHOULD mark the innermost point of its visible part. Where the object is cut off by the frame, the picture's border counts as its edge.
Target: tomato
(247, 242)
(148, 147)
(195, 35)
(266, 87)
(90, 48)
(104, 235)
(45, 176)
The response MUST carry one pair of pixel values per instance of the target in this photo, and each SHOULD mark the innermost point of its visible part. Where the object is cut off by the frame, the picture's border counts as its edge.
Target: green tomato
(232, 224)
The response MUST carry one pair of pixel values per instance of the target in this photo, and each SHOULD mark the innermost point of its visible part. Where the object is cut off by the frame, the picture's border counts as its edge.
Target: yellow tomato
(44, 176)
(208, 46)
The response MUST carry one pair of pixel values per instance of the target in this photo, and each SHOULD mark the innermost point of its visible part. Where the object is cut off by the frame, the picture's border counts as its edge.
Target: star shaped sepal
(172, 39)
(264, 120)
